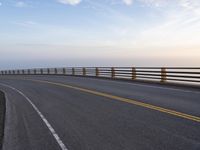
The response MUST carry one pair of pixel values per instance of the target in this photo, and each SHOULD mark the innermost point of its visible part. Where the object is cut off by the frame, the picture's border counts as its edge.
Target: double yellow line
(126, 100)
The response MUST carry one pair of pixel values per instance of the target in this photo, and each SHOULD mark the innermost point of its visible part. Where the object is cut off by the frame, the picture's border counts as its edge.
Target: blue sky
(49, 33)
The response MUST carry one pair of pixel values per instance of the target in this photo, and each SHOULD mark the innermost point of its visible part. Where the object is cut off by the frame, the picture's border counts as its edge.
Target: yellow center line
(126, 100)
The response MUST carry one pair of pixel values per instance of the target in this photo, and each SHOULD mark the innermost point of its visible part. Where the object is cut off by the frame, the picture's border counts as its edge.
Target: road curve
(75, 113)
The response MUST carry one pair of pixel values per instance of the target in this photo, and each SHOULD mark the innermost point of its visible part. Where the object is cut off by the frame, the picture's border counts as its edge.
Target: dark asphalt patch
(2, 116)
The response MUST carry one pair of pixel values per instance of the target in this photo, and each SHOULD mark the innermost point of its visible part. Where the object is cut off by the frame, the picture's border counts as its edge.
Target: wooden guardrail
(165, 74)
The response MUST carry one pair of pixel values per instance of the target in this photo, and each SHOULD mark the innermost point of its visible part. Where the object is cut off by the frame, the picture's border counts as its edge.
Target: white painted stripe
(154, 86)
(129, 83)
(147, 85)
(55, 135)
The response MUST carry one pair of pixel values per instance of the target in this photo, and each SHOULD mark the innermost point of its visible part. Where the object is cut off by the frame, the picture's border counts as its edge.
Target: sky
(57, 33)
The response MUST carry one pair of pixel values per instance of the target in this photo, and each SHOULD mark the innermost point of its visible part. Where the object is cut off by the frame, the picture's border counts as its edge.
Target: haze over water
(53, 33)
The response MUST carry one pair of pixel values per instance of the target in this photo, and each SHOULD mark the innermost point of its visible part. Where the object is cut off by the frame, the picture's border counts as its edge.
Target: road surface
(75, 113)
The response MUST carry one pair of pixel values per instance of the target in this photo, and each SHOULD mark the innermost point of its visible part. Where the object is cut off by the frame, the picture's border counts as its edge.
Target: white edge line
(137, 84)
(141, 85)
(152, 86)
(165, 88)
(51, 129)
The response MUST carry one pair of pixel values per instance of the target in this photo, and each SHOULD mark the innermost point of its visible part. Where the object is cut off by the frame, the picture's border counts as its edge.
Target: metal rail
(189, 75)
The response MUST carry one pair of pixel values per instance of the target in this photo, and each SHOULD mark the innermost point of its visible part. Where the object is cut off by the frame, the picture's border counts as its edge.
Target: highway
(76, 113)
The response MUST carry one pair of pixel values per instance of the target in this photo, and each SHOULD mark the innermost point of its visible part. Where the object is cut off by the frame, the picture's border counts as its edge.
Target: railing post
(29, 72)
(64, 71)
(55, 71)
(163, 75)
(48, 71)
(41, 71)
(18, 72)
(84, 71)
(97, 72)
(9, 72)
(34, 71)
(134, 73)
(112, 72)
(73, 71)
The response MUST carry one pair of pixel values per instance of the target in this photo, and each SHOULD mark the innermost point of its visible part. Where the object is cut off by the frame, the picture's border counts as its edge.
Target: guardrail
(165, 74)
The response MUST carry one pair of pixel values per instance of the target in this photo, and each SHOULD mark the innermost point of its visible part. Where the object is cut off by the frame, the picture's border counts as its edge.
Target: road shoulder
(2, 117)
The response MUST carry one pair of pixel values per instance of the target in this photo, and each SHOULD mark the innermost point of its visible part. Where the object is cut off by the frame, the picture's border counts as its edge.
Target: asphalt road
(74, 113)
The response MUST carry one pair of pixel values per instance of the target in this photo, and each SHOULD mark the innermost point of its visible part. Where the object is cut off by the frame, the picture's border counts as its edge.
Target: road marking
(126, 100)
(141, 85)
(55, 135)
(158, 87)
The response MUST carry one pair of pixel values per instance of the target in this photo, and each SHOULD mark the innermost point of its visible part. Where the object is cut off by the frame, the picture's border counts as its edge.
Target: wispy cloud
(128, 2)
(20, 4)
(0, 4)
(156, 3)
(179, 29)
(193, 5)
(70, 2)
(26, 23)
